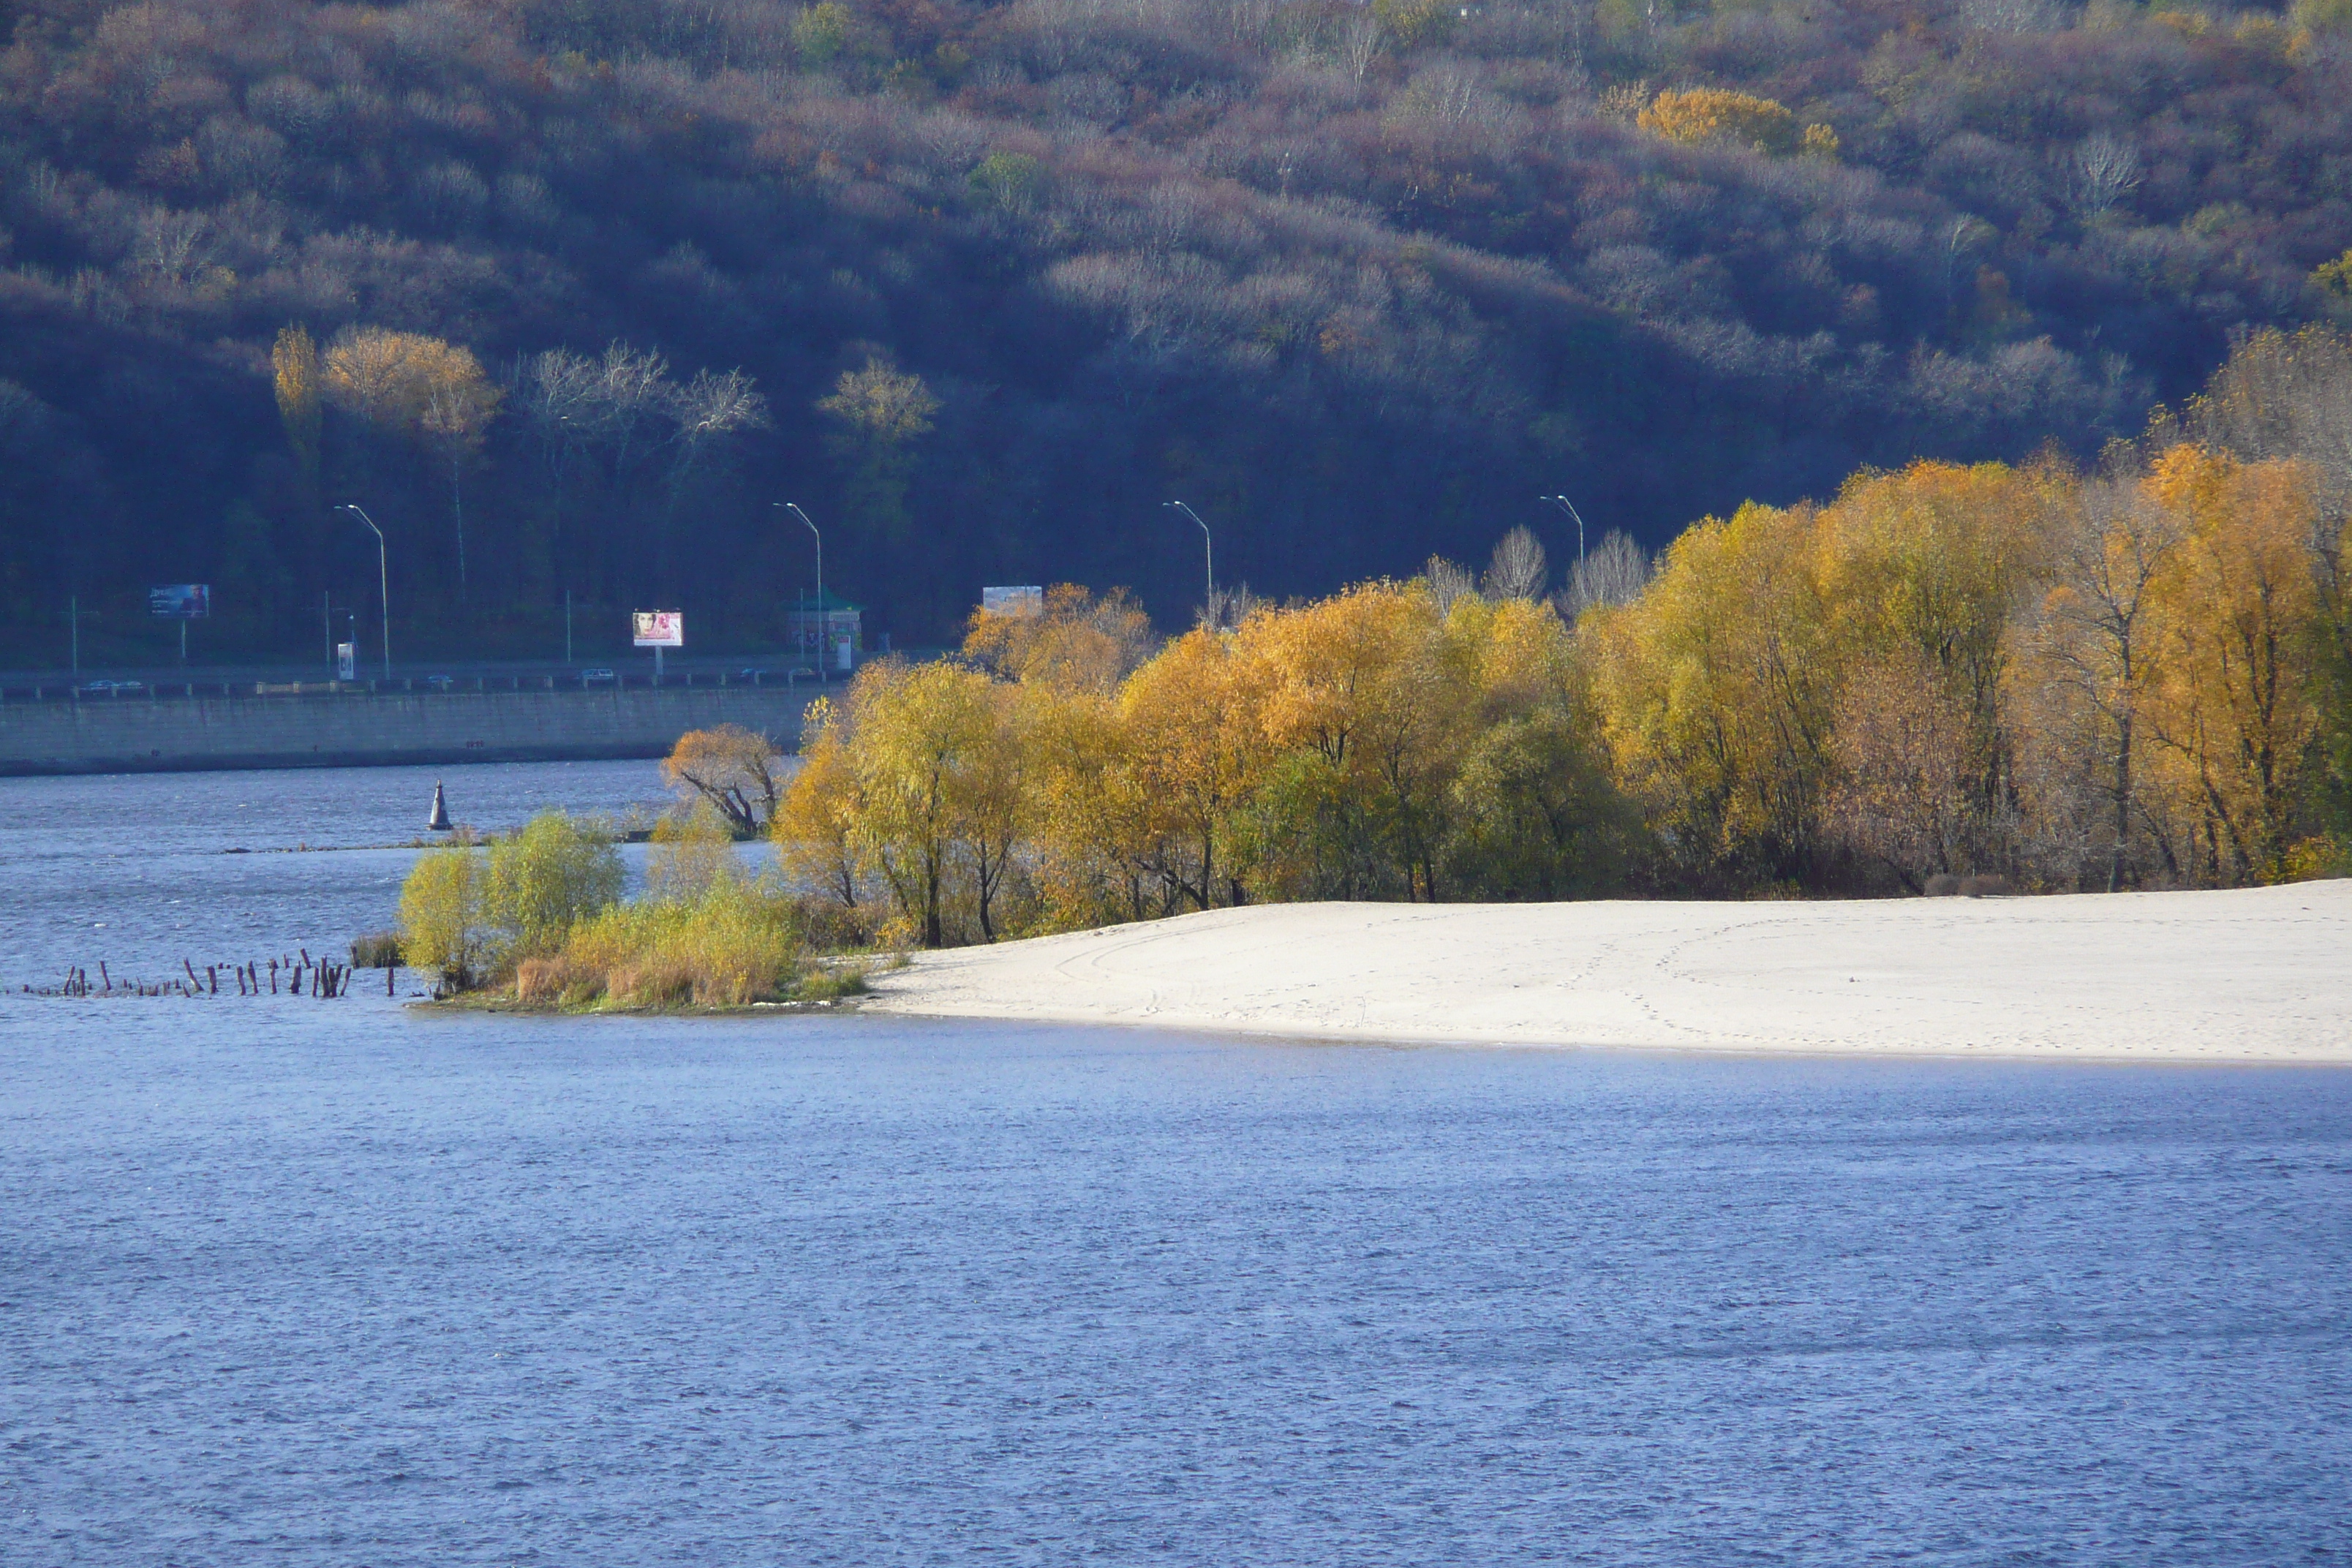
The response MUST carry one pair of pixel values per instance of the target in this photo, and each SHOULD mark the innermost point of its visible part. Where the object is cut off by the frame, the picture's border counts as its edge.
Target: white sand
(2261, 974)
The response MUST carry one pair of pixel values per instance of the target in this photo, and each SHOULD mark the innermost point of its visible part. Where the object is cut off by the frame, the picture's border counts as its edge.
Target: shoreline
(2247, 975)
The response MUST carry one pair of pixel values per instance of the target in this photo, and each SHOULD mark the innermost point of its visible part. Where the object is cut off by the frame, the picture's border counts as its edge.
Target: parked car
(595, 678)
(441, 682)
(113, 686)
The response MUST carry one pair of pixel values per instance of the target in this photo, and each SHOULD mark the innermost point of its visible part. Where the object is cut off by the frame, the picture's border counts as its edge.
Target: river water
(290, 1281)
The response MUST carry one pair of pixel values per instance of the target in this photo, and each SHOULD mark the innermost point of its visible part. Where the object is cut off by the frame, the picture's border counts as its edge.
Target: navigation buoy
(439, 821)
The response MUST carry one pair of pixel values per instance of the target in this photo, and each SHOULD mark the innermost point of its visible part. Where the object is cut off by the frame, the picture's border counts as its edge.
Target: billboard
(658, 628)
(1029, 601)
(181, 601)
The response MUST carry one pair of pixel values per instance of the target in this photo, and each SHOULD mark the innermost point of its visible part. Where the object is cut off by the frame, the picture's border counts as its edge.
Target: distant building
(1028, 600)
(831, 630)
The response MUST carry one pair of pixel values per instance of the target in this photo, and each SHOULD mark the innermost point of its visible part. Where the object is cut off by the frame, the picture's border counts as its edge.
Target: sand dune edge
(2255, 974)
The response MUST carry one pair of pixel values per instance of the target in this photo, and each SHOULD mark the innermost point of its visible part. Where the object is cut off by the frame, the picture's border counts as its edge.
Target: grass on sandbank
(537, 924)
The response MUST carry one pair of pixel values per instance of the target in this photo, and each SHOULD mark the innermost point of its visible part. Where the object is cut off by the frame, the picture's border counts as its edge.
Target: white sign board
(347, 661)
(181, 601)
(1028, 600)
(658, 628)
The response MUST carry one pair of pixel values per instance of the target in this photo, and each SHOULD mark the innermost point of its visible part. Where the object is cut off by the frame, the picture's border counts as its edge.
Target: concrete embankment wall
(142, 733)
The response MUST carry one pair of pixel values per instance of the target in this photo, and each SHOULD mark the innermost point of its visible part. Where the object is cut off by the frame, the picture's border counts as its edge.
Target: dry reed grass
(733, 944)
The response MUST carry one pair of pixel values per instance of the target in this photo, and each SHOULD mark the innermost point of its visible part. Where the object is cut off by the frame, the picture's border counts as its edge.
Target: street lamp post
(1208, 556)
(824, 621)
(1569, 507)
(383, 579)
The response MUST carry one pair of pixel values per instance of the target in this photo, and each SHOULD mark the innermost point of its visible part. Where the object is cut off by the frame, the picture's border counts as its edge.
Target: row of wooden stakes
(288, 976)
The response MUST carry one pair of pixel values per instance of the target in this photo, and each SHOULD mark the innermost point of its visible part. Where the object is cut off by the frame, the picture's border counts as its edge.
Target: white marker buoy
(439, 821)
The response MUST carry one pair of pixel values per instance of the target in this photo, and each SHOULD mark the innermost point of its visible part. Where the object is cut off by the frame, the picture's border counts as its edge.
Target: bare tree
(2094, 639)
(1229, 606)
(704, 413)
(711, 406)
(1615, 572)
(1517, 570)
(2014, 15)
(458, 413)
(557, 395)
(1449, 583)
(2284, 395)
(175, 246)
(1362, 38)
(633, 387)
(2104, 169)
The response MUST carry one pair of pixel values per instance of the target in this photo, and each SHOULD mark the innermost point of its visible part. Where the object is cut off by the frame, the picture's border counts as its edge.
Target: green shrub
(543, 881)
(689, 854)
(376, 950)
(827, 984)
(441, 922)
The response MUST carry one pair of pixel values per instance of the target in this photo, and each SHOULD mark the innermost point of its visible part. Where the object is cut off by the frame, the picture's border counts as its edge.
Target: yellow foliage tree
(1931, 561)
(442, 924)
(416, 388)
(1716, 114)
(1098, 861)
(294, 360)
(2089, 663)
(877, 412)
(816, 825)
(1355, 687)
(935, 790)
(1715, 690)
(1075, 642)
(732, 770)
(2236, 712)
(391, 379)
(1196, 749)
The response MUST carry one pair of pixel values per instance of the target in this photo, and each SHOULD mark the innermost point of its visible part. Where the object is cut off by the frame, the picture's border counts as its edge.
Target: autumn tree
(1722, 115)
(443, 927)
(417, 389)
(1925, 569)
(815, 825)
(389, 379)
(1354, 688)
(1196, 750)
(553, 874)
(1073, 642)
(876, 415)
(1899, 793)
(935, 784)
(294, 361)
(2237, 713)
(1100, 858)
(734, 770)
(2091, 656)
(1715, 690)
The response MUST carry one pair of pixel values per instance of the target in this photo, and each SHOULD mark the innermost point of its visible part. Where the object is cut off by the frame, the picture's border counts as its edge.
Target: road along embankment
(147, 732)
(2252, 976)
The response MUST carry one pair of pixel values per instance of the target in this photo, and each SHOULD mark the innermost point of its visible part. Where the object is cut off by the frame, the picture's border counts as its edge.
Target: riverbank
(196, 728)
(2256, 975)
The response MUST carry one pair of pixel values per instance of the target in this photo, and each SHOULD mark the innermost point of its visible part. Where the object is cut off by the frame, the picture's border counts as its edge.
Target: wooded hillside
(590, 284)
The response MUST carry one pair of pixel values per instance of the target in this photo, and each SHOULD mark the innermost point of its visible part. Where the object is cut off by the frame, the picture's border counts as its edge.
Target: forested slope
(1358, 283)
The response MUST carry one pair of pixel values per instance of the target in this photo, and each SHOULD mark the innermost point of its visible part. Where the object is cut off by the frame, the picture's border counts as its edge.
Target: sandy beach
(2259, 974)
